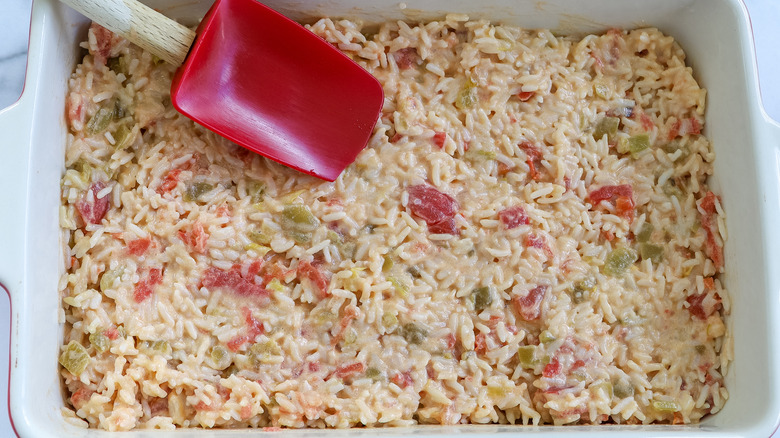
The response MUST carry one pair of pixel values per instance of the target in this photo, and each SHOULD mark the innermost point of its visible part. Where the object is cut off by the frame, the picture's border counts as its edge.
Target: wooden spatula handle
(141, 25)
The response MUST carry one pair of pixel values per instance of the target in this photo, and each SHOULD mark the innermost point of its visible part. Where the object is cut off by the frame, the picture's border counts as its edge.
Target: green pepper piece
(467, 96)
(373, 373)
(119, 110)
(299, 222)
(671, 189)
(262, 236)
(122, 137)
(194, 191)
(482, 298)
(638, 143)
(700, 349)
(116, 64)
(545, 337)
(399, 286)
(623, 388)
(100, 342)
(607, 126)
(219, 358)
(645, 232)
(580, 290)
(414, 271)
(389, 320)
(619, 260)
(155, 347)
(526, 355)
(263, 352)
(108, 279)
(99, 122)
(413, 333)
(606, 386)
(665, 406)
(600, 90)
(387, 265)
(74, 358)
(255, 190)
(652, 252)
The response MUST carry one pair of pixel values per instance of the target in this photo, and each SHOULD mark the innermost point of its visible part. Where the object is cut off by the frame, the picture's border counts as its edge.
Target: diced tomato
(684, 127)
(350, 313)
(552, 369)
(709, 222)
(111, 333)
(314, 367)
(92, 209)
(403, 380)
(533, 157)
(238, 341)
(525, 96)
(170, 181)
(316, 277)
(529, 306)
(254, 327)
(539, 242)
(350, 369)
(646, 121)
(275, 271)
(233, 281)
(701, 308)
(158, 406)
(196, 237)
(513, 217)
(145, 287)
(437, 209)
(81, 397)
(75, 109)
(503, 168)
(449, 341)
(480, 343)
(622, 196)
(103, 38)
(447, 226)
(138, 247)
(254, 269)
(396, 137)
(223, 211)
(579, 363)
(439, 138)
(431, 205)
(406, 58)
(202, 406)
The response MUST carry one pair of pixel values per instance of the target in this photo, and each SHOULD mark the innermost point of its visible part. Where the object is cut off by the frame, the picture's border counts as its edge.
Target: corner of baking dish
(749, 156)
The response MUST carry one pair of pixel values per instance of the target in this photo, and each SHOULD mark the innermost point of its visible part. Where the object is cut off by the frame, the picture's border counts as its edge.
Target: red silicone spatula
(258, 79)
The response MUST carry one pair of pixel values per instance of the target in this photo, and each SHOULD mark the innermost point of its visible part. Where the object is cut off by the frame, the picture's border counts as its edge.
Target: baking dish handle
(15, 132)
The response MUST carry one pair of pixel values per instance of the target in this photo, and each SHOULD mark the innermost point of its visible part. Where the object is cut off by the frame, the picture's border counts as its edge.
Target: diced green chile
(74, 358)
(638, 143)
(526, 355)
(619, 260)
(219, 358)
(116, 64)
(122, 137)
(546, 337)
(299, 222)
(606, 126)
(645, 232)
(413, 333)
(482, 298)
(580, 290)
(100, 342)
(99, 122)
(387, 265)
(108, 278)
(622, 388)
(194, 191)
(467, 96)
(665, 406)
(373, 373)
(260, 237)
(652, 252)
(255, 190)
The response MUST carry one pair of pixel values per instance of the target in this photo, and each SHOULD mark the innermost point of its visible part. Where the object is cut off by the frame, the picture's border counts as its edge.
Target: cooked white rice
(528, 239)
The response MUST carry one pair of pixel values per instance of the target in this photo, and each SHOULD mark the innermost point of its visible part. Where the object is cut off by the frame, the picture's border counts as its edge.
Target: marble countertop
(14, 26)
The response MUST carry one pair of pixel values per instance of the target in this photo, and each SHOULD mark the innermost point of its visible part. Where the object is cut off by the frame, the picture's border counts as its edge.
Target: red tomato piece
(552, 369)
(75, 108)
(431, 205)
(196, 237)
(709, 222)
(606, 193)
(170, 181)
(145, 287)
(439, 138)
(314, 367)
(525, 96)
(646, 121)
(91, 208)
(237, 342)
(513, 217)
(480, 343)
(703, 309)
(81, 397)
(233, 281)
(254, 327)
(447, 226)
(403, 380)
(111, 333)
(104, 38)
(139, 246)
(529, 306)
(406, 58)
(316, 277)
(350, 369)
(539, 242)
(533, 158)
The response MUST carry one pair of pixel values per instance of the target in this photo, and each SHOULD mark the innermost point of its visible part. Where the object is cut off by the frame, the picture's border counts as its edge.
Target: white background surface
(14, 25)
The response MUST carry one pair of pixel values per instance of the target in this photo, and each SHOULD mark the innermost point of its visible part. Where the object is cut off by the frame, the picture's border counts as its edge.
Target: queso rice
(528, 239)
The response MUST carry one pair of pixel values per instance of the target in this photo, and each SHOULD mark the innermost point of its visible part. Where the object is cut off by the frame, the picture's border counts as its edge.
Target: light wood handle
(142, 25)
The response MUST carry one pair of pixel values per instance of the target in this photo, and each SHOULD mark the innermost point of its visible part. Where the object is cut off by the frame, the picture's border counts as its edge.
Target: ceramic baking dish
(715, 34)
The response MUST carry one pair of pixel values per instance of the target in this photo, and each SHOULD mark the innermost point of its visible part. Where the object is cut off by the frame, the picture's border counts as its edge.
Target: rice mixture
(527, 239)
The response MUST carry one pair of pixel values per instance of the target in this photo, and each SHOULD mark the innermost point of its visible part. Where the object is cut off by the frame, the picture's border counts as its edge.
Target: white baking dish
(716, 36)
